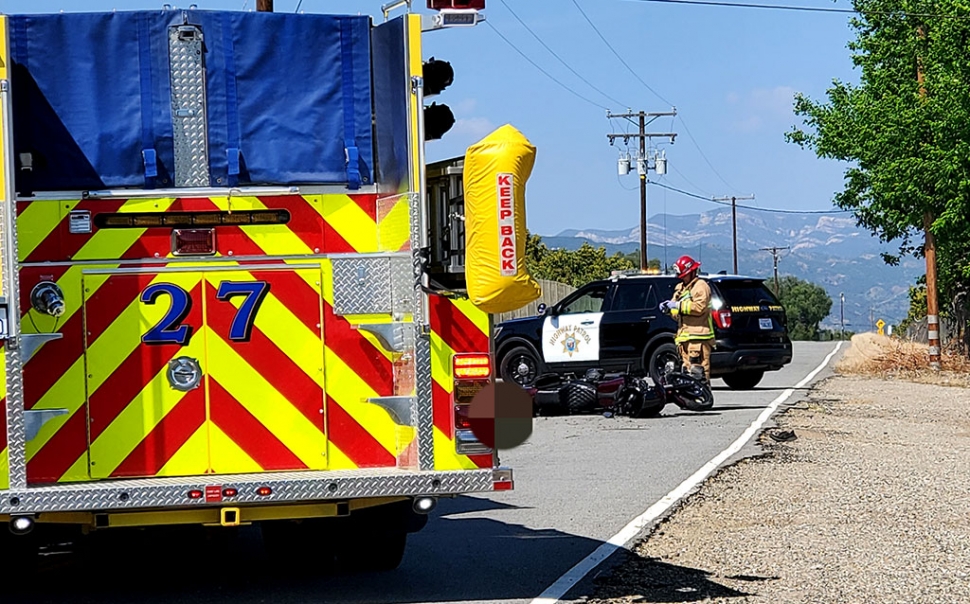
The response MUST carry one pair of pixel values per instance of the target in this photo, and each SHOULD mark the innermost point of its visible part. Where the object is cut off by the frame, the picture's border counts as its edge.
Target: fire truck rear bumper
(249, 489)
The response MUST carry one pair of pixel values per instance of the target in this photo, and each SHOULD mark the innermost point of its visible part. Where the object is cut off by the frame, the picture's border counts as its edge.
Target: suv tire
(743, 380)
(512, 363)
(654, 362)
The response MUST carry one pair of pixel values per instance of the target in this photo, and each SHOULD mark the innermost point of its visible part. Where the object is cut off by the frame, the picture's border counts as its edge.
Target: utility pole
(929, 246)
(642, 163)
(734, 222)
(842, 313)
(264, 6)
(774, 253)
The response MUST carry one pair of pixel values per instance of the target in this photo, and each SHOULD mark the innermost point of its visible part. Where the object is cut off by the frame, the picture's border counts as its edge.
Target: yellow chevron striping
(66, 393)
(4, 470)
(139, 418)
(476, 316)
(327, 272)
(106, 354)
(191, 456)
(38, 221)
(279, 324)
(441, 355)
(103, 357)
(337, 459)
(445, 457)
(79, 470)
(105, 244)
(394, 225)
(351, 393)
(348, 219)
(267, 405)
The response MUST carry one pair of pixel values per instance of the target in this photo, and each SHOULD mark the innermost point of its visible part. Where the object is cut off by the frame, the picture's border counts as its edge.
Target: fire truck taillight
(472, 372)
(264, 491)
(472, 366)
(194, 242)
(195, 494)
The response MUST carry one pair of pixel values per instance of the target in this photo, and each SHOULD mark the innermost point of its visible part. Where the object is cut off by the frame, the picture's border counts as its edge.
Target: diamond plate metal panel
(188, 106)
(16, 434)
(362, 285)
(402, 285)
(286, 487)
(423, 410)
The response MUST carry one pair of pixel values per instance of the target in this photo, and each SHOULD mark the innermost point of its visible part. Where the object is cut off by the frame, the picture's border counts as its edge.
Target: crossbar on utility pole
(734, 222)
(774, 253)
(264, 6)
(642, 135)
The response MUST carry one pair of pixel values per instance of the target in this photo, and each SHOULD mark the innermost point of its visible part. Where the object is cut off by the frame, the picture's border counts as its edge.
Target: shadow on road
(650, 580)
(459, 556)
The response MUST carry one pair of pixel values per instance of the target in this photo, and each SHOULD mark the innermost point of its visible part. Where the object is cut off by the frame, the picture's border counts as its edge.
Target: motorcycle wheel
(692, 394)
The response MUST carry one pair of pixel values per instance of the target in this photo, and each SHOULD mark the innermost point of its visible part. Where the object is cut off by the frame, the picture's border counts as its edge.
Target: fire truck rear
(228, 296)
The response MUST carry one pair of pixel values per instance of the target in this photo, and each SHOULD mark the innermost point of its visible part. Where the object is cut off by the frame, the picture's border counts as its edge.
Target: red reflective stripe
(264, 447)
(357, 352)
(368, 203)
(305, 222)
(61, 243)
(265, 357)
(166, 438)
(298, 296)
(443, 410)
(60, 453)
(135, 372)
(353, 440)
(455, 328)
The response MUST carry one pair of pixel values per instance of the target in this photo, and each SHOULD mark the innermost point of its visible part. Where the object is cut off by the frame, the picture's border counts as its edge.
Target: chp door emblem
(184, 373)
(570, 344)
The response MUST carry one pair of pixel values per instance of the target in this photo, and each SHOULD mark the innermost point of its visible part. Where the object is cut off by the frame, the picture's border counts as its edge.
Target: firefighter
(691, 306)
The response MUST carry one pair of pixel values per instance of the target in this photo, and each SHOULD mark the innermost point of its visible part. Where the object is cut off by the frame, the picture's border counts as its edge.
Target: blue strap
(233, 152)
(347, 85)
(145, 73)
(23, 179)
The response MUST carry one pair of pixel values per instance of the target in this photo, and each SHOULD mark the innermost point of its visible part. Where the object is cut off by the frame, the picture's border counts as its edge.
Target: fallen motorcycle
(626, 394)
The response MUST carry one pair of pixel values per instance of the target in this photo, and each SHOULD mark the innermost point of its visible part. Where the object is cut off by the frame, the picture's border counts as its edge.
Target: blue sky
(730, 72)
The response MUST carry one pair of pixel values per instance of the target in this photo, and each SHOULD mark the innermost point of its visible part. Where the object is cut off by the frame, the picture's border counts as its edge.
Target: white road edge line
(563, 584)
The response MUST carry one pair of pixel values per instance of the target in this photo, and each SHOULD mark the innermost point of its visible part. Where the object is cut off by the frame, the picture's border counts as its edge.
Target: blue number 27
(170, 329)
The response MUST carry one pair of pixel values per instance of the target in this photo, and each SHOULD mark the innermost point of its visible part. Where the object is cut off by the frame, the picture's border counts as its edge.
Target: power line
(560, 59)
(647, 86)
(727, 203)
(808, 9)
(610, 46)
(701, 151)
(544, 72)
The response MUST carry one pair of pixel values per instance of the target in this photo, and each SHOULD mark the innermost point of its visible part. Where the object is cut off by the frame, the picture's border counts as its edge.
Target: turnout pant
(697, 352)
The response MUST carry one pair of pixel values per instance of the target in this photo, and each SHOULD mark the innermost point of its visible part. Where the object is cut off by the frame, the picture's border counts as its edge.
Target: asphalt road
(578, 481)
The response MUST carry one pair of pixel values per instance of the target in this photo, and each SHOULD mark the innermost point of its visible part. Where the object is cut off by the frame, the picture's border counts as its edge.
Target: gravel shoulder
(868, 504)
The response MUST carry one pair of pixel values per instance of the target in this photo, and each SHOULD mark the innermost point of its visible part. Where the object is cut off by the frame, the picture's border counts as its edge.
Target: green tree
(905, 130)
(577, 267)
(806, 304)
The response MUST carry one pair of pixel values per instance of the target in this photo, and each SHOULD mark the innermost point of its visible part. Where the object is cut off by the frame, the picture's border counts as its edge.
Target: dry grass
(881, 356)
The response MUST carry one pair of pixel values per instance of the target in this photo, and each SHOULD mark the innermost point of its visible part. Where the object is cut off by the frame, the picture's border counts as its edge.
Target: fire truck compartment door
(204, 372)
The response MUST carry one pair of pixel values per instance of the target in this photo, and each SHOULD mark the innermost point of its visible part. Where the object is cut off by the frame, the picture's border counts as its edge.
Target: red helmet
(685, 265)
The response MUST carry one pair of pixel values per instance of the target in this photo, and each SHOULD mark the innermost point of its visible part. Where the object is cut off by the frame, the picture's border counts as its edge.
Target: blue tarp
(288, 98)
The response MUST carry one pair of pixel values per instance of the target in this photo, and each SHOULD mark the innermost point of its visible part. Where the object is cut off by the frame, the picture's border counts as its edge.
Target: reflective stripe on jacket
(694, 317)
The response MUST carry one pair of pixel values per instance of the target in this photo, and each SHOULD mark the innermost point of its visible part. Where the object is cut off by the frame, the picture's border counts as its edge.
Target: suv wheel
(520, 366)
(743, 380)
(659, 357)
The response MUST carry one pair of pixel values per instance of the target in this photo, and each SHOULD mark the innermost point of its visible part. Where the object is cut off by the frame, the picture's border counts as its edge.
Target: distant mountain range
(824, 249)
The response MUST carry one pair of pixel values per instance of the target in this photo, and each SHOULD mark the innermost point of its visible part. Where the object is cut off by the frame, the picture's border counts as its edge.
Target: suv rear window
(746, 293)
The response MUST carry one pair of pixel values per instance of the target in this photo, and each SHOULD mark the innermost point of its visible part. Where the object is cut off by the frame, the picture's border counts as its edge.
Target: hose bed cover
(288, 98)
